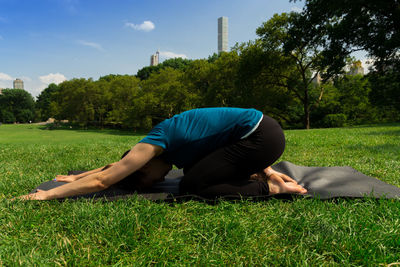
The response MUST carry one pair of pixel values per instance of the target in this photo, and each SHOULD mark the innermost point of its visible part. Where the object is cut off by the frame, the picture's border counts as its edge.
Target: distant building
(18, 84)
(356, 68)
(155, 59)
(317, 79)
(222, 34)
(1, 89)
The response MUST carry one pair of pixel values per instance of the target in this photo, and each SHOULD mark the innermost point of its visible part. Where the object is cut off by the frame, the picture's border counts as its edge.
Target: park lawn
(141, 232)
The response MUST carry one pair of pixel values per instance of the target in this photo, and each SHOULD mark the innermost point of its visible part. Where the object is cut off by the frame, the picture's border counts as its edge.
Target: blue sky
(44, 41)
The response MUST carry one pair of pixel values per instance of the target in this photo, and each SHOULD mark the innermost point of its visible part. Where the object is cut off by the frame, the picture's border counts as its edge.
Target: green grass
(139, 232)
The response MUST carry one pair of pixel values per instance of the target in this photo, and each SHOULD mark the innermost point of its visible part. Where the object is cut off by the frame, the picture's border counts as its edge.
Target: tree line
(276, 73)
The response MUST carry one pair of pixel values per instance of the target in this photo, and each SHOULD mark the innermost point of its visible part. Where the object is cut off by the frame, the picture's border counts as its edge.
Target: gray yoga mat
(321, 182)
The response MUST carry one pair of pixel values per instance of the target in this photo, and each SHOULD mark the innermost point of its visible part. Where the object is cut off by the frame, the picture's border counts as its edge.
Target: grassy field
(139, 232)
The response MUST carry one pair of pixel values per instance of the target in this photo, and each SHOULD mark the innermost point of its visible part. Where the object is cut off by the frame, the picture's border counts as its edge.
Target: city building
(317, 79)
(356, 68)
(222, 34)
(155, 59)
(18, 84)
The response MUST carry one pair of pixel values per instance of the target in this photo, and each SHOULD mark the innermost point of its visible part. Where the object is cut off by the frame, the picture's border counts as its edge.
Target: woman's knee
(273, 140)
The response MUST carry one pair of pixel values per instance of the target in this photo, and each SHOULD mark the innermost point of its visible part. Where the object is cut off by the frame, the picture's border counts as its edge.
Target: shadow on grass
(374, 125)
(79, 129)
(389, 148)
(388, 133)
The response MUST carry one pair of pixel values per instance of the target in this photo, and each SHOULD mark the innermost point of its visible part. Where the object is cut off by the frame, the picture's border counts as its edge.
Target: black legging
(227, 170)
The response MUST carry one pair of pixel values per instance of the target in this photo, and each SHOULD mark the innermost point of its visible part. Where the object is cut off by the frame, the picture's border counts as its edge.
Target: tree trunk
(306, 117)
(306, 109)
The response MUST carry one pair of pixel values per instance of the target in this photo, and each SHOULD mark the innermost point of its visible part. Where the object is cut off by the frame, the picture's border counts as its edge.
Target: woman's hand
(269, 171)
(66, 178)
(281, 183)
(39, 195)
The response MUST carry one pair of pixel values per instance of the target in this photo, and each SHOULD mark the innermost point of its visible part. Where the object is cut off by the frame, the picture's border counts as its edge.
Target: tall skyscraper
(222, 34)
(155, 59)
(18, 84)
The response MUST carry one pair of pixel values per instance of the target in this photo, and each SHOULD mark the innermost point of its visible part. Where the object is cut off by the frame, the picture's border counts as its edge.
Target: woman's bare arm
(134, 160)
(72, 178)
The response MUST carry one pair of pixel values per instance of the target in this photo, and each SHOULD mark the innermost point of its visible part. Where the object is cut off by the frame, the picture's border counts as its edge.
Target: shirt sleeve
(156, 137)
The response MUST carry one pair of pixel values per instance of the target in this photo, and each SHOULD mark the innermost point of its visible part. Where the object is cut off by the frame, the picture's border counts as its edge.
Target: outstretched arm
(139, 155)
(72, 178)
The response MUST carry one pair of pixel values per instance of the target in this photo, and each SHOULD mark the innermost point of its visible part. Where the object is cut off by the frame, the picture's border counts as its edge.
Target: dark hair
(132, 182)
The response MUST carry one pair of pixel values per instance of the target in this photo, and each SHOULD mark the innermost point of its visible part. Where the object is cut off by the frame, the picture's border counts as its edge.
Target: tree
(222, 81)
(145, 72)
(385, 93)
(343, 26)
(174, 63)
(263, 82)
(293, 48)
(354, 102)
(43, 111)
(75, 101)
(163, 95)
(122, 92)
(16, 105)
(196, 78)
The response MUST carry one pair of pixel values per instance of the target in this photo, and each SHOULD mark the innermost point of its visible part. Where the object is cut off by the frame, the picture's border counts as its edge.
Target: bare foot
(277, 185)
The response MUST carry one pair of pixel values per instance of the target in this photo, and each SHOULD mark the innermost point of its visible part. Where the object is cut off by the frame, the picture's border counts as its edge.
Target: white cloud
(5, 80)
(33, 86)
(52, 78)
(91, 44)
(296, 9)
(167, 54)
(5, 77)
(146, 26)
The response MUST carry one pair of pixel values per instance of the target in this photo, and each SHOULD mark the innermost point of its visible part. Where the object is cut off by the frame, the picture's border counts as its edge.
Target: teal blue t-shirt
(193, 134)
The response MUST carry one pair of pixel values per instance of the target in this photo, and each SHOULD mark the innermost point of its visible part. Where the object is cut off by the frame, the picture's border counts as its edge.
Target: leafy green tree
(385, 93)
(163, 95)
(43, 111)
(343, 26)
(16, 105)
(222, 80)
(354, 102)
(74, 101)
(214, 57)
(292, 48)
(174, 63)
(122, 91)
(263, 82)
(145, 72)
(197, 79)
